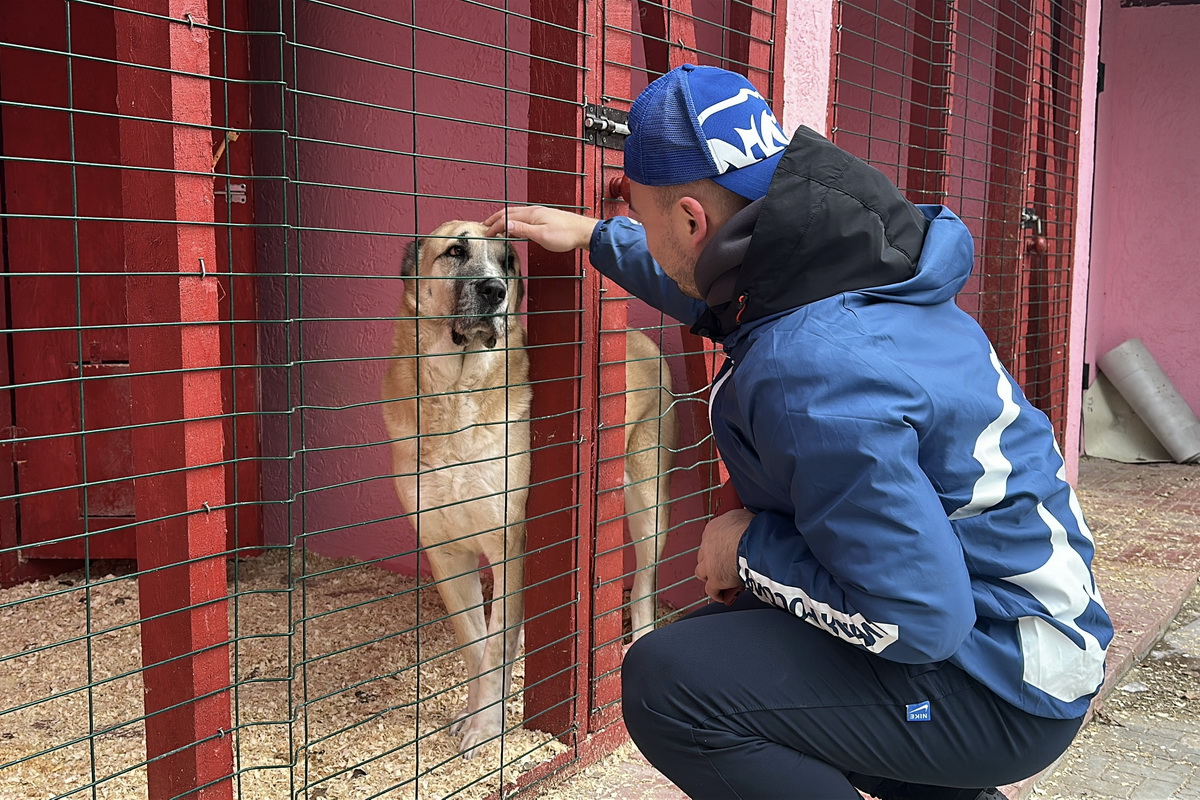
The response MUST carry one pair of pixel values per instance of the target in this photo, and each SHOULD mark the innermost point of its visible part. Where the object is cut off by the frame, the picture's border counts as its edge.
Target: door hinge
(236, 192)
(605, 127)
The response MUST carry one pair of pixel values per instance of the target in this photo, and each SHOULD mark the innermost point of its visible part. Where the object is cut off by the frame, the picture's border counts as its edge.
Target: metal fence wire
(232, 373)
(259, 426)
(976, 104)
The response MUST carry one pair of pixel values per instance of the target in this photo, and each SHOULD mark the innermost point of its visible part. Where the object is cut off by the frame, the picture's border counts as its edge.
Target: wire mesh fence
(263, 418)
(975, 104)
(657, 460)
(256, 452)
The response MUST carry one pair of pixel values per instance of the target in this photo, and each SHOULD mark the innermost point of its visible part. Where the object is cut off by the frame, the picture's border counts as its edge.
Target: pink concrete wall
(1083, 231)
(1144, 258)
(807, 62)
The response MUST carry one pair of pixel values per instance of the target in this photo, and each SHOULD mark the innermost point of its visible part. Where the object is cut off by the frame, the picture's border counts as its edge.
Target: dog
(456, 406)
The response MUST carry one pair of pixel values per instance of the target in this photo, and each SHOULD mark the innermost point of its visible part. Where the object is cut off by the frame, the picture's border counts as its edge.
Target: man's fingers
(728, 596)
(495, 223)
(521, 230)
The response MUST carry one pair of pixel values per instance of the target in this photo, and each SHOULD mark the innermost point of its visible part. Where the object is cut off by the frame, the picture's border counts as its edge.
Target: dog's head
(468, 281)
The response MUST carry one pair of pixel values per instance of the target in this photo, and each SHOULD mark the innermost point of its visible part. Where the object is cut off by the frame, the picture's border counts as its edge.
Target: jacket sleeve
(864, 549)
(618, 250)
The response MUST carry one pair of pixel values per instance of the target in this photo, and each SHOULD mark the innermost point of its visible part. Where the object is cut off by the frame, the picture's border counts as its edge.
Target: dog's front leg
(489, 691)
(456, 571)
(648, 535)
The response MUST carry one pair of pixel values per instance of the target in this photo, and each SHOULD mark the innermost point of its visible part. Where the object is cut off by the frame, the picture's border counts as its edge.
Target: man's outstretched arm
(618, 250)
(554, 229)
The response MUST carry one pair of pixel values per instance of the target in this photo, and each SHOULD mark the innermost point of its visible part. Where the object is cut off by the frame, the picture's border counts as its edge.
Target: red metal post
(753, 45)
(608, 578)
(678, 31)
(561, 501)
(1037, 286)
(929, 101)
(779, 56)
(670, 34)
(1056, 53)
(1000, 264)
(236, 256)
(609, 563)
(180, 488)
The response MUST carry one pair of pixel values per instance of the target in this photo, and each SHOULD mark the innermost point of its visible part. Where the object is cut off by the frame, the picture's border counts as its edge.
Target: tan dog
(457, 410)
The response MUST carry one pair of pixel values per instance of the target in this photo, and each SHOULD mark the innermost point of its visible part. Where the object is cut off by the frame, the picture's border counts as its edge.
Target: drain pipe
(1150, 393)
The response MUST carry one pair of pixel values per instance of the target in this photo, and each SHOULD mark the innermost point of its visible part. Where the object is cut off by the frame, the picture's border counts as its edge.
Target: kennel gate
(976, 104)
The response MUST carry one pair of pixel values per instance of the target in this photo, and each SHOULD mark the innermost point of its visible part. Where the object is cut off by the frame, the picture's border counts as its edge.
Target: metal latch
(1031, 221)
(236, 193)
(605, 127)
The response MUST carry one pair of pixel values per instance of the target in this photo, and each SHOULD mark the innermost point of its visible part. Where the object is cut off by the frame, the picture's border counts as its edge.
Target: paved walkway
(1144, 742)
(1146, 519)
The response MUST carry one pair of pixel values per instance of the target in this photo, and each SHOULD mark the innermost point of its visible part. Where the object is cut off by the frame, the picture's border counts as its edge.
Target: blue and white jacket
(908, 498)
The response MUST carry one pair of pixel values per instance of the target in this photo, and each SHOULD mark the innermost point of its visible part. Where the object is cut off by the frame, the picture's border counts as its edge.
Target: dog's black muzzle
(481, 304)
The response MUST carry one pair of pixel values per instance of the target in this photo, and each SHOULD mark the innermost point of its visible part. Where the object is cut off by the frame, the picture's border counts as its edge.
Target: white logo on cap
(763, 133)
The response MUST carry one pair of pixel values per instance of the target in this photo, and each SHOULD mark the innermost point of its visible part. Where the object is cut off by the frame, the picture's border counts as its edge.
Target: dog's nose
(492, 290)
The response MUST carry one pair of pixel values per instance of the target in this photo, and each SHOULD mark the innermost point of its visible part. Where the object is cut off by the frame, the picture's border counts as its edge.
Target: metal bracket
(236, 193)
(605, 127)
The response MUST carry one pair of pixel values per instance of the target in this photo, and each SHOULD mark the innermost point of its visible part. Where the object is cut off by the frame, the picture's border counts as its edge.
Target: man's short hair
(714, 197)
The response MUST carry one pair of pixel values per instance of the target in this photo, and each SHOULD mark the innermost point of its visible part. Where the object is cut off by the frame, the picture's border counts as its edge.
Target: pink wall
(1083, 232)
(1144, 258)
(806, 65)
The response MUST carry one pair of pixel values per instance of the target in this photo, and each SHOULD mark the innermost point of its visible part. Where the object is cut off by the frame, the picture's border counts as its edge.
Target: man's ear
(695, 218)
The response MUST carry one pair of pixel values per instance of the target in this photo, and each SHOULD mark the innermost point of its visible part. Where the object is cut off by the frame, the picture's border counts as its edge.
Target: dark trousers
(751, 702)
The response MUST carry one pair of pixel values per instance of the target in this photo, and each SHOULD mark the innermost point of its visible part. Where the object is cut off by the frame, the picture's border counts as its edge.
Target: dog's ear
(408, 267)
(514, 262)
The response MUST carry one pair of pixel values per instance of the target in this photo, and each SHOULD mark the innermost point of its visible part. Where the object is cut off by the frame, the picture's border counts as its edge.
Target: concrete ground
(1146, 519)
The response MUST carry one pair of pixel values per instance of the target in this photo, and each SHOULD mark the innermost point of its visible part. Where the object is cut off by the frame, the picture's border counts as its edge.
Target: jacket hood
(831, 223)
(722, 258)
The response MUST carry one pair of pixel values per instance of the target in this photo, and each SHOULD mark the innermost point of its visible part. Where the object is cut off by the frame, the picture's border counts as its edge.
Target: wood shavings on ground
(345, 680)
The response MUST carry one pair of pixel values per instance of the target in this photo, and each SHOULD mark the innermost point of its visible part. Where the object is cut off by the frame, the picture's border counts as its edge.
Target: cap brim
(751, 181)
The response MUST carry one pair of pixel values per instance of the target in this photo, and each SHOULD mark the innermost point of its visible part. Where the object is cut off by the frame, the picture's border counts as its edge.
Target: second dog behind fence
(457, 403)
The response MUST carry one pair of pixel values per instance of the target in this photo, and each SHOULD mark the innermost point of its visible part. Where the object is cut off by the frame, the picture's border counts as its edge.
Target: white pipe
(1150, 393)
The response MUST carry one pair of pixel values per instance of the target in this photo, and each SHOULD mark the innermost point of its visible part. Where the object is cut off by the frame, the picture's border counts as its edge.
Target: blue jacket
(908, 498)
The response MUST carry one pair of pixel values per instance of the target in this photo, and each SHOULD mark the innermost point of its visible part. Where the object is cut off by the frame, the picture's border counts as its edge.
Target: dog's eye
(457, 251)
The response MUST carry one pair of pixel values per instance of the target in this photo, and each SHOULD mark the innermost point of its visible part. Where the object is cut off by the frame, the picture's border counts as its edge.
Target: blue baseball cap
(703, 122)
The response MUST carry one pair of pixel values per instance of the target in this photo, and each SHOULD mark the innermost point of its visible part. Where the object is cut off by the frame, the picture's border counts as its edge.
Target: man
(919, 618)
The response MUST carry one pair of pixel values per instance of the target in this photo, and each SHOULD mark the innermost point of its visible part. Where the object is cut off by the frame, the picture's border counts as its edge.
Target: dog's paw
(477, 730)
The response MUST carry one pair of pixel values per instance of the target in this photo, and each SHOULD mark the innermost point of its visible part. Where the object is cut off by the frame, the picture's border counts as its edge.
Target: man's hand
(716, 563)
(554, 229)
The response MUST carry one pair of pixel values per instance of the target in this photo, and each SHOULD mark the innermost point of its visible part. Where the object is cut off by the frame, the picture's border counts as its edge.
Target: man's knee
(650, 673)
(638, 668)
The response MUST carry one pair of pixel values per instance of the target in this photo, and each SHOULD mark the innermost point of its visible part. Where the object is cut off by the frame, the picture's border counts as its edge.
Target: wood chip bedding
(358, 719)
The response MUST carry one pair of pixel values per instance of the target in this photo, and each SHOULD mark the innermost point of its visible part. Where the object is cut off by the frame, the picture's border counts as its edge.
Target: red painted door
(70, 396)
(66, 444)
